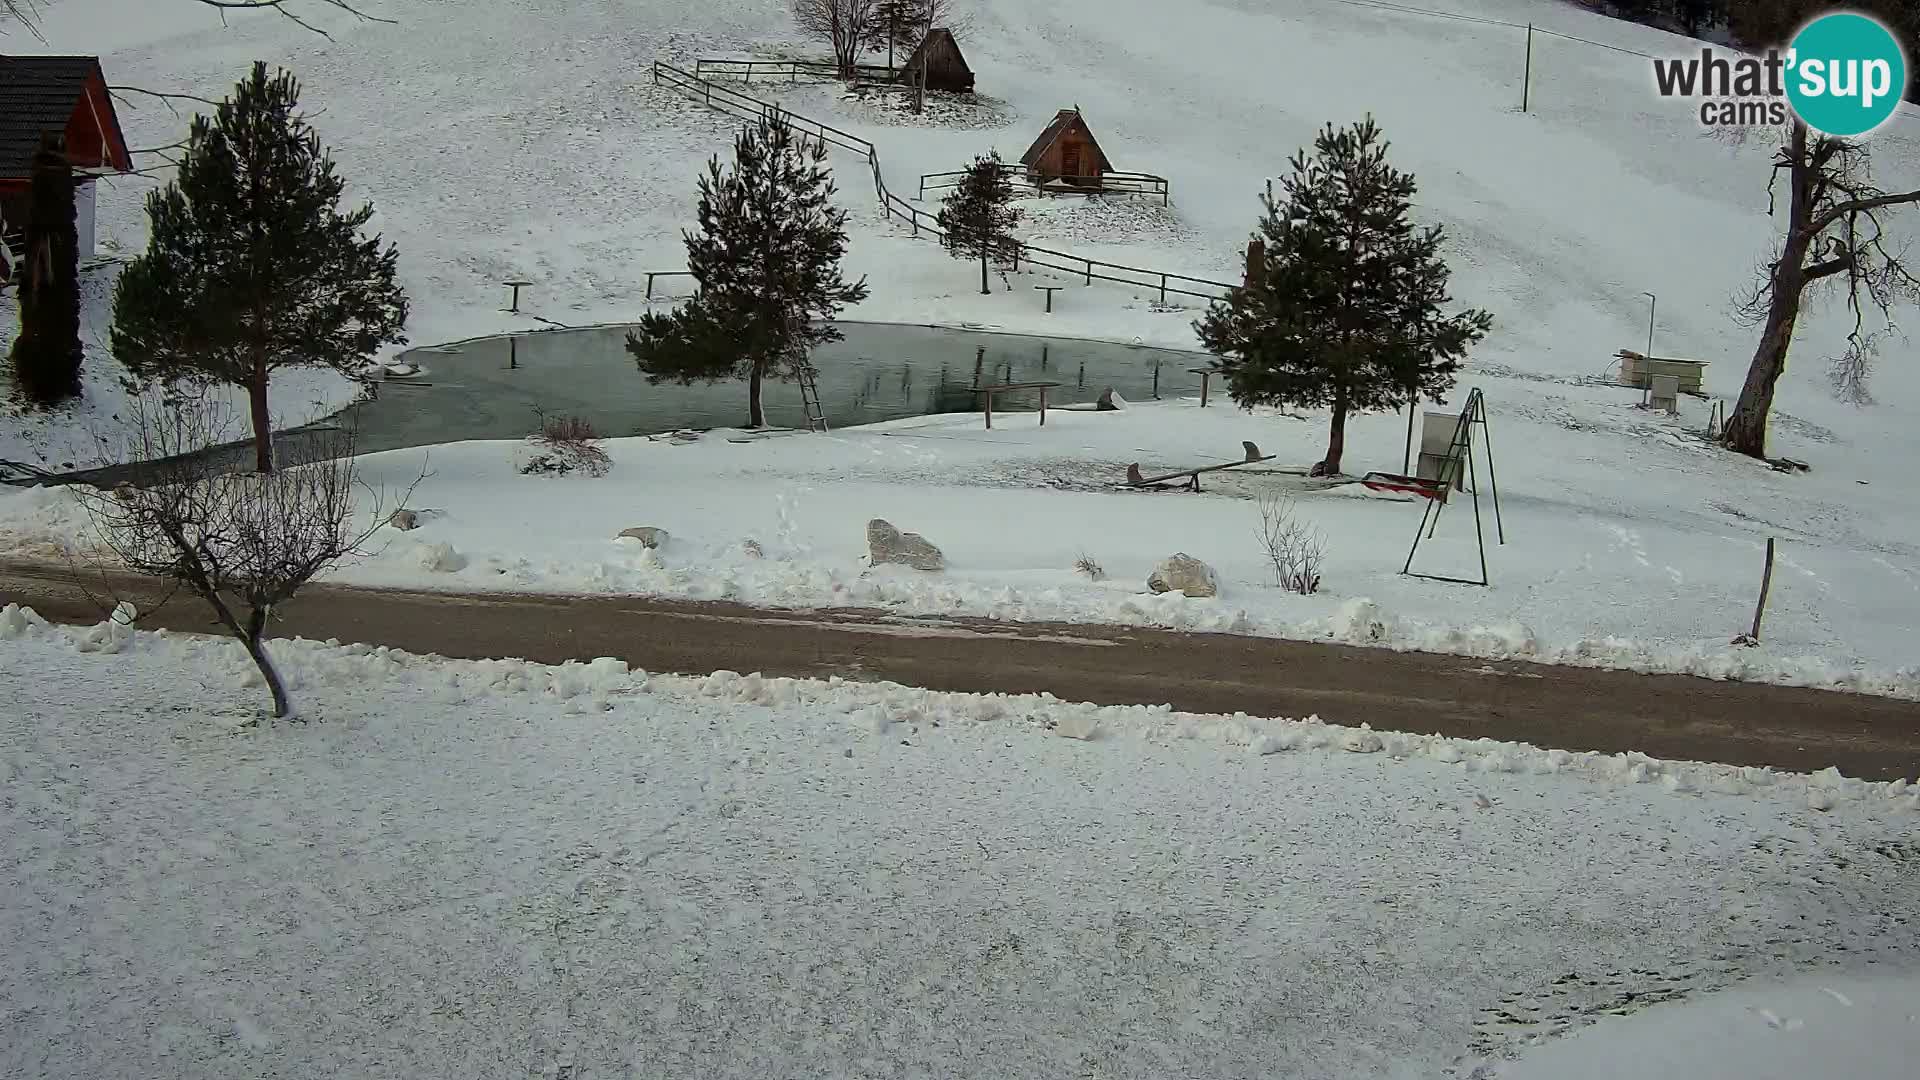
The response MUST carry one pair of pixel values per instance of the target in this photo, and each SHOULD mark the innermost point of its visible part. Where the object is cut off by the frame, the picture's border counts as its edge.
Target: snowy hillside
(504, 137)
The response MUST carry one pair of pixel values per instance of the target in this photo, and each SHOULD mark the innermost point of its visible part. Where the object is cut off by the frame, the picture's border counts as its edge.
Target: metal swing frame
(1460, 455)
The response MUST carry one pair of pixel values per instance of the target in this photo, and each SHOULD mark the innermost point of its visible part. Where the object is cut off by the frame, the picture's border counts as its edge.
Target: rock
(1185, 574)
(886, 544)
(1110, 401)
(647, 535)
(751, 549)
(405, 520)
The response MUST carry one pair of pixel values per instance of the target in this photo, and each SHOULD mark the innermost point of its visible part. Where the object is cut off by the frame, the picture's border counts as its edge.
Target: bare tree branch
(26, 13)
(285, 7)
(164, 97)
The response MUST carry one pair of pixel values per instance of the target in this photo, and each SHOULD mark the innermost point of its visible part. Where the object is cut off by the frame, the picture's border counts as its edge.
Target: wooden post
(1156, 380)
(1766, 582)
(1526, 82)
(650, 286)
(1653, 302)
(513, 352)
(1089, 271)
(1043, 406)
(989, 394)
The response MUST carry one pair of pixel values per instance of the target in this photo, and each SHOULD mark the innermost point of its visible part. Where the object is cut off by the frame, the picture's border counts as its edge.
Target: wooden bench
(1192, 476)
(1004, 387)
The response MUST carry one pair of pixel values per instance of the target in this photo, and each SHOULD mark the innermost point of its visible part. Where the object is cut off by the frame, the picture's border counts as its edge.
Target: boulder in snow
(886, 544)
(1110, 401)
(751, 549)
(405, 520)
(1182, 573)
(647, 535)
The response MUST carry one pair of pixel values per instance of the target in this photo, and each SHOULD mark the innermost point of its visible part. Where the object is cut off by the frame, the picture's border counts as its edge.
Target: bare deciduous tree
(1293, 548)
(849, 26)
(244, 542)
(1834, 232)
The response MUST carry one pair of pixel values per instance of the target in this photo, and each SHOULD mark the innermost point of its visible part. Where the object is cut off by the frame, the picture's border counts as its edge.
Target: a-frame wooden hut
(940, 58)
(1067, 153)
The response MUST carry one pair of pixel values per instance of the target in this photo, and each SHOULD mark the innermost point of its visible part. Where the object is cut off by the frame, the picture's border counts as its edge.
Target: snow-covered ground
(457, 868)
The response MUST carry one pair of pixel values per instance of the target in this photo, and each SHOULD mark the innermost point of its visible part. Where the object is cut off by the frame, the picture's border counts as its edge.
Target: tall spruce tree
(46, 356)
(767, 260)
(979, 217)
(251, 265)
(1344, 310)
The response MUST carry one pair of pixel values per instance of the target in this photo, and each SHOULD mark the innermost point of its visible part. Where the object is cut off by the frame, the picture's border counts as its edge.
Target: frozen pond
(490, 388)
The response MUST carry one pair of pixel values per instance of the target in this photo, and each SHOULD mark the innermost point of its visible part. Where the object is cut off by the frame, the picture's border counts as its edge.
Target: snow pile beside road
(881, 708)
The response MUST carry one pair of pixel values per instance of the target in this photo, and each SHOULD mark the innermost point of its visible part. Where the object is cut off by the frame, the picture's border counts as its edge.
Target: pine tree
(1345, 309)
(978, 216)
(251, 266)
(767, 260)
(46, 356)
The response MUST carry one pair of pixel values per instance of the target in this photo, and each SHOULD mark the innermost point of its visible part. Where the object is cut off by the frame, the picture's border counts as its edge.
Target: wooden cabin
(65, 96)
(1066, 153)
(945, 67)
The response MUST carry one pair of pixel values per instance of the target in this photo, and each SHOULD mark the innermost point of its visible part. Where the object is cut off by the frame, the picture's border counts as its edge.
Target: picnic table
(1001, 388)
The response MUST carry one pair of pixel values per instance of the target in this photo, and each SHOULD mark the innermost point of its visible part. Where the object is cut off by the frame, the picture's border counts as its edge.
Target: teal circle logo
(1846, 74)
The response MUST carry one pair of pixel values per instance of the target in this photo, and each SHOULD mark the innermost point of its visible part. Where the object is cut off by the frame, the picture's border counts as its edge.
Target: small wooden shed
(1067, 153)
(945, 66)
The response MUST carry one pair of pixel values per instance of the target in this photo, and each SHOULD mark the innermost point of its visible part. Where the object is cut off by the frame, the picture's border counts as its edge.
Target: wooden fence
(788, 71)
(1022, 255)
(1112, 183)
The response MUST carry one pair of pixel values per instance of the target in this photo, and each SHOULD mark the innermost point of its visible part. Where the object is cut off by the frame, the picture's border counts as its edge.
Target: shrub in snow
(1293, 548)
(1184, 574)
(1087, 565)
(886, 544)
(563, 445)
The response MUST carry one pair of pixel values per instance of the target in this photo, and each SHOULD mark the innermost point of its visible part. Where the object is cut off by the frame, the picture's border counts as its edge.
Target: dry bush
(1294, 548)
(244, 542)
(1086, 564)
(565, 444)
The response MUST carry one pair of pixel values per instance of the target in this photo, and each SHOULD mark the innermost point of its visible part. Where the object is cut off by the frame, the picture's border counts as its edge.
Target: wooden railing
(790, 71)
(1022, 255)
(1111, 183)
